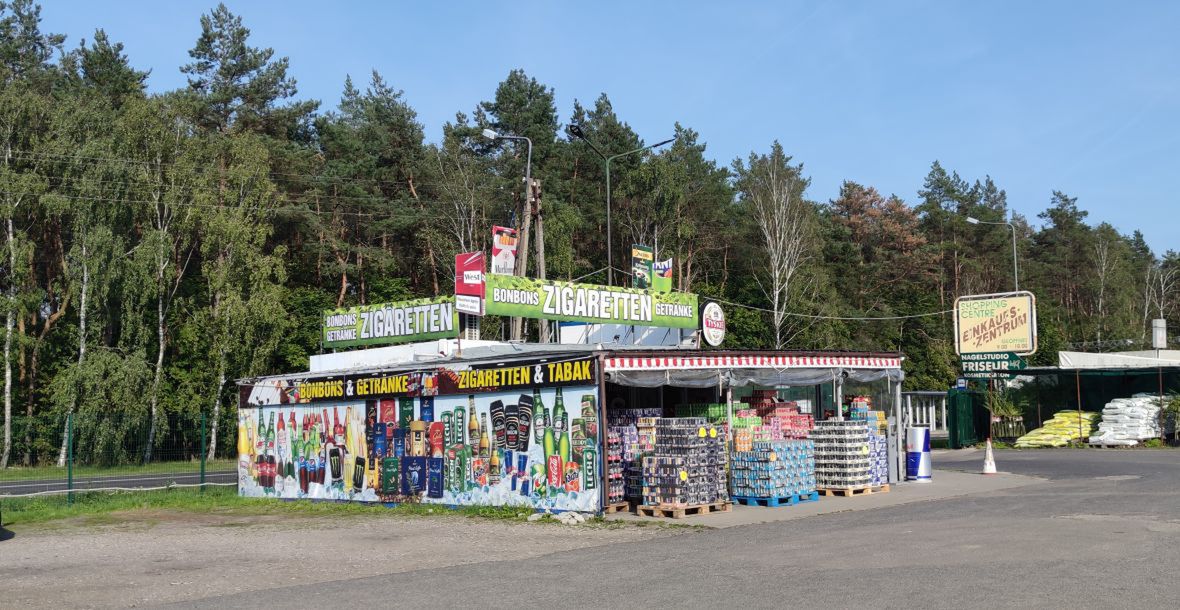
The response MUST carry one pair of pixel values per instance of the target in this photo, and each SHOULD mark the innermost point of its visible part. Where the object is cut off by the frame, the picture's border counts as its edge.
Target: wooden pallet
(617, 507)
(669, 511)
(858, 491)
(792, 500)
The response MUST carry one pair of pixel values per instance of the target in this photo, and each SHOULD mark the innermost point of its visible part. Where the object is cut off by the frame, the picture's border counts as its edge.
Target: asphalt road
(1103, 530)
(124, 481)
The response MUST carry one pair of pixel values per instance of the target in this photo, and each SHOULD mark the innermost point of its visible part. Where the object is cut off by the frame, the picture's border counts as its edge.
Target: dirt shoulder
(143, 557)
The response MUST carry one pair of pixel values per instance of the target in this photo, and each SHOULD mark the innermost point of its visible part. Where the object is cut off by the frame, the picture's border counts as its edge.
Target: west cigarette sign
(993, 323)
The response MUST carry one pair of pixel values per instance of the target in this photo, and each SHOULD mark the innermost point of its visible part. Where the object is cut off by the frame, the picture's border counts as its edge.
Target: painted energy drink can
(511, 429)
(499, 423)
(524, 421)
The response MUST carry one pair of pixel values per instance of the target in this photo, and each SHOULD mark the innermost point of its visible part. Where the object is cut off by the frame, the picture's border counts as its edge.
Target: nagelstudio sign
(509, 295)
(400, 322)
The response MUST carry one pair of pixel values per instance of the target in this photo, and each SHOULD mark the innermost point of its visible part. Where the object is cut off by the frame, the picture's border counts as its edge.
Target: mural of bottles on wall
(537, 449)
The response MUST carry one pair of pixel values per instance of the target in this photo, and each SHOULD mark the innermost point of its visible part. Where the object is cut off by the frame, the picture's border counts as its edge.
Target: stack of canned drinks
(775, 469)
(629, 417)
(687, 465)
(842, 457)
(614, 467)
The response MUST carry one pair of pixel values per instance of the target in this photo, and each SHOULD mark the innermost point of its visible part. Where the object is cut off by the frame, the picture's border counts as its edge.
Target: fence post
(204, 450)
(69, 459)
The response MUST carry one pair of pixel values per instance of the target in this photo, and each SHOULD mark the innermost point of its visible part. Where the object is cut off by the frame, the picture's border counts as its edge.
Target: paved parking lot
(1097, 529)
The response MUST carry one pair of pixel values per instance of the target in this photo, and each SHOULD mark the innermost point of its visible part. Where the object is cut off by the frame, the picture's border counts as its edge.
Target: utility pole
(535, 198)
(522, 261)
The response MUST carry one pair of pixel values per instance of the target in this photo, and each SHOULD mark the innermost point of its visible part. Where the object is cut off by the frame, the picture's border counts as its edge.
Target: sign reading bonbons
(400, 322)
(996, 323)
(569, 302)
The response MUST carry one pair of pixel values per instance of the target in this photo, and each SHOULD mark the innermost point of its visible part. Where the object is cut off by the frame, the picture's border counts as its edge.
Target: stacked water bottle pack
(842, 454)
(687, 464)
(614, 467)
(775, 469)
(878, 458)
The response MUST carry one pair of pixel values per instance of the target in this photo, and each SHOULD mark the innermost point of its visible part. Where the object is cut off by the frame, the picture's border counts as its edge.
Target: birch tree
(772, 190)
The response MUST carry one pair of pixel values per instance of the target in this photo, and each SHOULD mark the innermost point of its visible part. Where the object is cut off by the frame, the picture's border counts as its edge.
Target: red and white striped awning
(644, 363)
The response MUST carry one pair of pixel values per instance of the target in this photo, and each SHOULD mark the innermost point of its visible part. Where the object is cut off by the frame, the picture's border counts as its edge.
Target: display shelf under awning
(706, 369)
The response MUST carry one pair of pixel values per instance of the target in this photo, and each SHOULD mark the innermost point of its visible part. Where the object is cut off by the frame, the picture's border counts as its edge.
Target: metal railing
(925, 408)
(110, 453)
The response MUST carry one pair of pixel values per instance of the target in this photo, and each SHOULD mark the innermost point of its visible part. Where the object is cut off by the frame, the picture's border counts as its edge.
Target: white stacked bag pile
(1126, 421)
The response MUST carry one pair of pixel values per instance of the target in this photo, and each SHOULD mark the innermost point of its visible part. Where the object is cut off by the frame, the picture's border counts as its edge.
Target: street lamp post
(522, 260)
(1015, 273)
(576, 130)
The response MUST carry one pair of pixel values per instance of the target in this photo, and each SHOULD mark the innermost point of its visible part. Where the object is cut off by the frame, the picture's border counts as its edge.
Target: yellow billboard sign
(996, 323)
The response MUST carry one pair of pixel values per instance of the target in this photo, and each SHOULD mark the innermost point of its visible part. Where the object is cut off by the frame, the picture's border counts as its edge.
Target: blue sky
(1076, 96)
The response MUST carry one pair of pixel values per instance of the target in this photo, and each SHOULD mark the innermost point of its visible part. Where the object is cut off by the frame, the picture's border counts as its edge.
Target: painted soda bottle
(281, 448)
(494, 468)
(559, 416)
(540, 417)
(549, 442)
(563, 447)
(484, 439)
(472, 422)
(337, 428)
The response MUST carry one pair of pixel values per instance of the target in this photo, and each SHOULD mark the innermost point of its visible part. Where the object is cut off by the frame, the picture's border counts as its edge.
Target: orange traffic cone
(989, 460)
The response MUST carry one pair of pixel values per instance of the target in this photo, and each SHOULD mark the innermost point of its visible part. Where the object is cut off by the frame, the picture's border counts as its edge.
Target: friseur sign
(985, 365)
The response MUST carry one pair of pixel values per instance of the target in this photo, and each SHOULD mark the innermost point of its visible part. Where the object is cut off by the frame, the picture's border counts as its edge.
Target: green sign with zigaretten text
(522, 297)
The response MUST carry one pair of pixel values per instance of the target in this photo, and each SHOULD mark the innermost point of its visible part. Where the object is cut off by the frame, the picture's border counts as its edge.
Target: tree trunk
(216, 406)
(155, 398)
(8, 323)
(61, 455)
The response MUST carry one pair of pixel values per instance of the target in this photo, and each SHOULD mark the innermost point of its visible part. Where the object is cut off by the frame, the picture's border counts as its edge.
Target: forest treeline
(158, 246)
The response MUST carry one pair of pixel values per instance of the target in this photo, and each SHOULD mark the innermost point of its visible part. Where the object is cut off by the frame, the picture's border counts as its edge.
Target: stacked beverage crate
(615, 487)
(775, 469)
(645, 440)
(687, 464)
(625, 421)
(842, 454)
(878, 458)
(718, 459)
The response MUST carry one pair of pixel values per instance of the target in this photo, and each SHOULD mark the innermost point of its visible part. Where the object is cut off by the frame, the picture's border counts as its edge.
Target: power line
(188, 204)
(205, 169)
(815, 317)
(73, 181)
